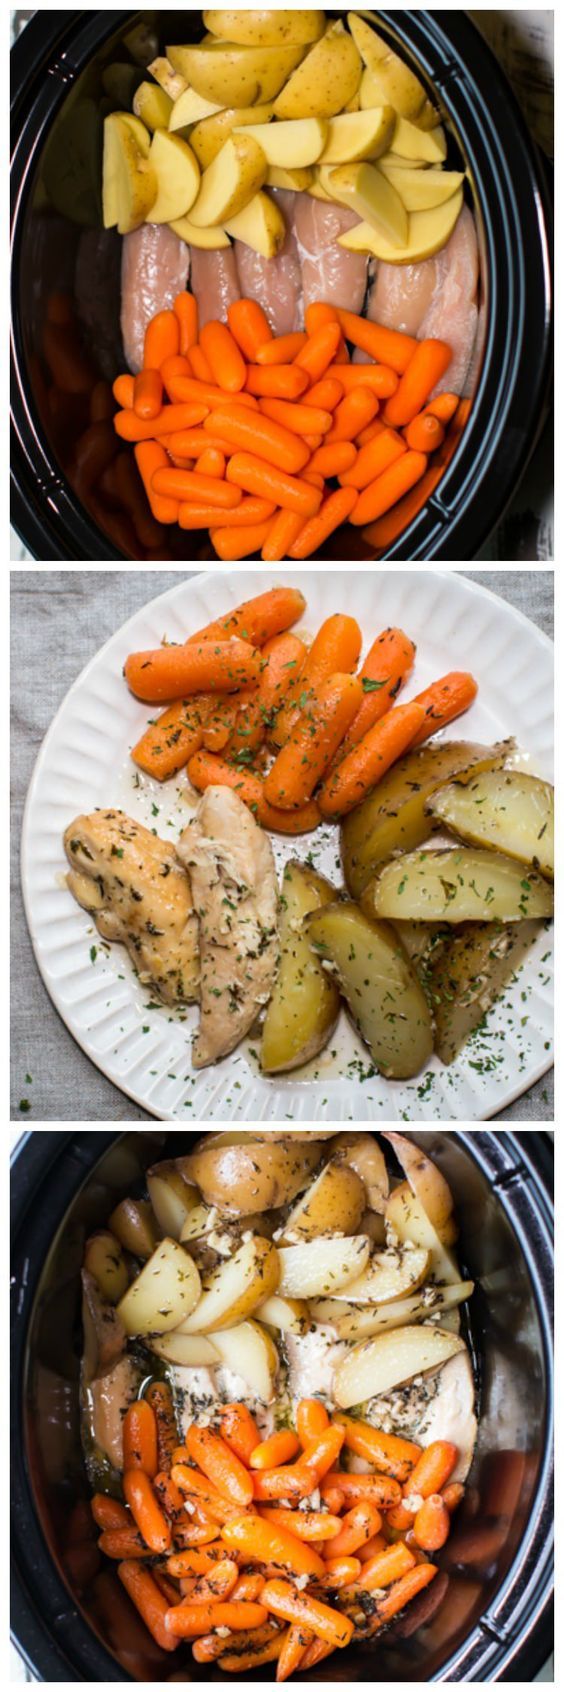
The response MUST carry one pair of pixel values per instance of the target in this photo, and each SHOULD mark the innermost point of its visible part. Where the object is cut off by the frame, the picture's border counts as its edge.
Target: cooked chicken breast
(109, 1378)
(234, 889)
(139, 894)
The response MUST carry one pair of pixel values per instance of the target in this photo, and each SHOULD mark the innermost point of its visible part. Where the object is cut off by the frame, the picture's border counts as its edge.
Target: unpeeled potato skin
(333, 1205)
(246, 1179)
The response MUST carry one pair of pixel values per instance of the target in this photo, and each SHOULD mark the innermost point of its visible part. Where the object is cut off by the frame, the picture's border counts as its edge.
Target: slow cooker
(71, 1618)
(69, 68)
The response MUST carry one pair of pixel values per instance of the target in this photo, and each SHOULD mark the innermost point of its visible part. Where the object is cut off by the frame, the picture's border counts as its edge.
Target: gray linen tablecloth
(59, 620)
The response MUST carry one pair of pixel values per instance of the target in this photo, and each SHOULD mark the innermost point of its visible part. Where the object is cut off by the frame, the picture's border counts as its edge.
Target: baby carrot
(325, 1448)
(252, 432)
(259, 1541)
(171, 672)
(356, 411)
(431, 1527)
(336, 647)
(300, 765)
(123, 390)
(216, 1584)
(379, 378)
(365, 1553)
(163, 749)
(205, 770)
(249, 327)
(254, 476)
(191, 443)
(277, 381)
(327, 394)
(311, 1525)
(357, 1527)
(285, 1601)
(242, 1662)
(389, 1566)
(334, 458)
(383, 673)
(249, 512)
(152, 1524)
(375, 428)
(444, 407)
(177, 365)
(243, 542)
(210, 1646)
(130, 427)
(123, 1542)
(258, 620)
(227, 366)
(300, 418)
(202, 1492)
(249, 1587)
(200, 366)
(282, 349)
(429, 361)
(313, 441)
(401, 1593)
(442, 702)
(140, 1438)
(368, 762)
(286, 1482)
(386, 529)
(341, 1571)
(295, 1643)
(452, 1495)
(315, 1654)
(186, 310)
(385, 346)
(192, 390)
(334, 511)
(162, 339)
(195, 1562)
(187, 1620)
(432, 1470)
(169, 1497)
(374, 459)
(186, 485)
(319, 351)
(239, 1430)
(283, 530)
(108, 1513)
(425, 433)
(318, 314)
(148, 394)
(311, 1420)
(211, 462)
(388, 1453)
(151, 1604)
(389, 487)
(149, 457)
(220, 1465)
(279, 1448)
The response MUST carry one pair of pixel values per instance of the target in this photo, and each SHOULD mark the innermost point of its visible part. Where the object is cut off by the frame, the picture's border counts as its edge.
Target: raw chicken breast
(328, 272)
(215, 282)
(155, 266)
(401, 294)
(453, 312)
(275, 283)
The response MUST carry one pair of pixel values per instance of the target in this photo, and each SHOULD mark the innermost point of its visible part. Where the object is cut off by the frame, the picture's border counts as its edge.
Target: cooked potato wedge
(290, 1315)
(266, 29)
(505, 809)
(133, 1224)
(231, 75)
(164, 1293)
(236, 1288)
(390, 1275)
(171, 1197)
(326, 80)
(469, 973)
(365, 1156)
(242, 1180)
(296, 180)
(373, 1224)
(305, 1002)
(464, 884)
(390, 79)
(187, 1351)
(426, 1182)
(404, 1312)
(247, 1350)
(382, 992)
(210, 133)
(319, 1268)
(428, 232)
(104, 1259)
(328, 1311)
(333, 1205)
(395, 817)
(390, 1360)
(178, 176)
(408, 1219)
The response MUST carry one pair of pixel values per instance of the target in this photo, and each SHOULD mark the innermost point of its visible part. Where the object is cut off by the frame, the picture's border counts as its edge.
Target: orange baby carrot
(300, 418)
(358, 1526)
(258, 620)
(192, 390)
(211, 462)
(249, 326)
(327, 394)
(206, 770)
(249, 512)
(216, 1584)
(277, 381)
(195, 1562)
(356, 411)
(368, 762)
(300, 765)
(283, 530)
(385, 346)
(387, 1452)
(291, 1481)
(252, 432)
(334, 458)
(375, 428)
(259, 1541)
(151, 1604)
(152, 1524)
(123, 390)
(401, 1593)
(140, 1438)
(318, 314)
(108, 1513)
(389, 1566)
(255, 476)
(170, 1498)
(227, 366)
(282, 349)
(249, 1587)
(452, 1495)
(313, 441)
(295, 1643)
(431, 1527)
(386, 529)
(243, 1662)
(163, 749)
(319, 351)
(177, 365)
(429, 361)
(170, 672)
(378, 378)
(444, 407)
(311, 1420)
(187, 1620)
(311, 1525)
(210, 1646)
(325, 1448)
(385, 668)
(334, 511)
(239, 1430)
(200, 366)
(432, 1470)
(336, 647)
(243, 542)
(162, 339)
(341, 1571)
(425, 433)
(285, 1601)
(149, 457)
(130, 427)
(442, 702)
(374, 459)
(202, 1493)
(123, 1542)
(389, 487)
(279, 1448)
(191, 443)
(220, 1465)
(186, 485)
(283, 659)
(400, 1519)
(186, 310)
(365, 1553)
(148, 394)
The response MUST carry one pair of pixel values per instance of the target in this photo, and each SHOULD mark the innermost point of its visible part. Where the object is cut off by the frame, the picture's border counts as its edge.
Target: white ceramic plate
(84, 763)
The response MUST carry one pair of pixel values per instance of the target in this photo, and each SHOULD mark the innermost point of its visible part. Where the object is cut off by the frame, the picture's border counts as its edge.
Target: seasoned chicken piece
(139, 894)
(235, 895)
(109, 1378)
(438, 1405)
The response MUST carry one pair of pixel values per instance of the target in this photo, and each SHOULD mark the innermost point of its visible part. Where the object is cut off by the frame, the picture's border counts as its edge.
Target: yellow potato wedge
(426, 1182)
(207, 239)
(428, 117)
(326, 80)
(291, 144)
(133, 1224)
(244, 1179)
(289, 1315)
(171, 1197)
(104, 1259)
(164, 1293)
(508, 810)
(320, 1267)
(422, 190)
(191, 108)
(365, 1156)
(407, 1218)
(428, 233)
(210, 134)
(413, 143)
(236, 1288)
(317, 191)
(230, 75)
(228, 184)
(130, 184)
(382, 992)
(178, 176)
(367, 191)
(431, 1301)
(186, 1351)
(358, 135)
(277, 28)
(333, 1205)
(141, 134)
(390, 1275)
(391, 1360)
(469, 974)
(152, 106)
(391, 80)
(168, 79)
(305, 1003)
(248, 1351)
(296, 180)
(260, 225)
(462, 884)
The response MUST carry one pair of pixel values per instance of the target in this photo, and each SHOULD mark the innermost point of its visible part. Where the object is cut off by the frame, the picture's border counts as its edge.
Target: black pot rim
(512, 191)
(495, 1649)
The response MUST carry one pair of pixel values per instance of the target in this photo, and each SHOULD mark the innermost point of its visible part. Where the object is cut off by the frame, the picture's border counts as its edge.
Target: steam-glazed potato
(171, 1197)
(390, 1275)
(394, 818)
(134, 1225)
(104, 1259)
(250, 1352)
(236, 1288)
(504, 809)
(464, 884)
(320, 1268)
(426, 1182)
(404, 1312)
(468, 975)
(305, 1001)
(365, 1156)
(333, 1205)
(382, 991)
(290, 1315)
(245, 1179)
(164, 1293)
(379, 1365)
(408, 1219)
(188, 1351)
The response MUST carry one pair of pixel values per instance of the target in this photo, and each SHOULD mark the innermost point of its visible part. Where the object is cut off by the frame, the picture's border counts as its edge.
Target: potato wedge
(391, 79)
(358, 135)
(164, 1293)
(178, 176)
(141, 134)
(259, 225)
(428, 233)
(236, 1288)
(129, 186)
(305, 1002)
(366, 1157)
(133, 1224)
(404, 1312)
(198, 1223)
(422, 190)
(187, 1351)
(391, 1360)
(228, 184)
(168, 79)
(171, 1197)
(190, 109)
(319, 1268)
(230, 75)
(409, 1221)
(467, 976)
(266, 29)
(365, 190)
(326, 1312)
(207, 239)
(290, 1315)
(104, 1259)
(390, 1275)
(326, 80)
(292, 144)
(296, 180)
(316, 189)
(333, 1205)
(384, 997)
(428, 117)
(507, 810)
(395, 817)
(464, 884)
(248, 1351)
(373, 1224)
(243, 1180)
(152, 106)
(413, 143)
(426, 1182)
(210, 134)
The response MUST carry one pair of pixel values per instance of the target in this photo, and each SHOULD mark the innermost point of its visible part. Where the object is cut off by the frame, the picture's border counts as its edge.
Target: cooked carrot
(315, 1654)
(187, 1620)
(249, 513)
(341, 1571)
(374, 459)
(240, 542)
(206, 770)
(282, 349)
(382, 1490)
(227, 366)
(426, 367)
(259, 1541)
(140, 1438)
(388, 1453)
(163, 749)
(220, 1465)
(202, 1492)
(401, 1593)
(258, 620)
(400, 1519)
(279, 1448)
(432, 1470)
(252, 432)
(211, 462)
(319, 351)
(311, 1420)
(238, 1427)
(216, 1584)
(194, 1534)
(123, 390)
(284, 528)
(195, 1562)
(296, 1607)
(336, 509)
(189, 484)
(327, 394)
(249, 326)
(277, 381)
(365, 1553)
(108, 1513)
(298, 768)
(249, 1587)
(291, 1482)
(385, 668)
(172, 671)
(186, 310)
(169, 1497)
(149, 456)
(130, 427)
(300, 418)
(452, 1495)
(254, 1658)
(283, 657)
(336, 648)
(151, 1604)
(118, 1543)
(357, 1527)
(425, 433)
(333, 1497)
(254, 476)
(317, 314)
(431, 1527)
(199, 365)
(333, 458)
(221, 721)
(365, 765)
(325, 1448)
(385, 346)
(442, 702)
(310, 1525)
(355, 412)
(389, 487)
(211, 1646)
(389, 1566)
(152, 1524)
(295, 1643)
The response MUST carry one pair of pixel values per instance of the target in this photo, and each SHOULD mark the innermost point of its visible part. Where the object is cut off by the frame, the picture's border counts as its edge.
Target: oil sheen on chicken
(231, 867)
(154, 269)
(138, 893)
